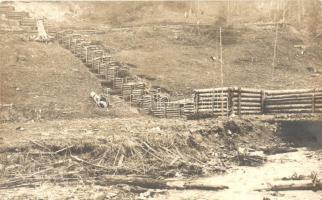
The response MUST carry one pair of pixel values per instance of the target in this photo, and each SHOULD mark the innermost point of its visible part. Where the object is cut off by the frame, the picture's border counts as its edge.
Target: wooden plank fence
(243, 101)
(16, 15)
(28, 22)
(294, 101)
(4, 9)
(214, 101)
(133, 89)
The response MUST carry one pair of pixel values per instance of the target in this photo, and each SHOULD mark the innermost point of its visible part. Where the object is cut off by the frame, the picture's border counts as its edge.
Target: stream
(243, 181)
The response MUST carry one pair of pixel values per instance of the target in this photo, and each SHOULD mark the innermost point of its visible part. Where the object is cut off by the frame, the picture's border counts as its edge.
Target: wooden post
(99, 65)
(239, 100)
(165, 109)
(86, 54)
(196, 103)
(262, 101)
(92, 58)
(313, 101)
(108, 93)
(232, 101)
(221, 74)
(230, 104)
(74, 50)
(275, 47)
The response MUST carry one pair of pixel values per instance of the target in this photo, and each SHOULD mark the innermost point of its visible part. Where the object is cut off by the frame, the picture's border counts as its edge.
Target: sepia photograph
(162, 100)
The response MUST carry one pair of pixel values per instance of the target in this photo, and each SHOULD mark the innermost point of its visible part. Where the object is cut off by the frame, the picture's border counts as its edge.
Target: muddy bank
(83, 150)
(244, 182)
(80, 153)
(180, 149)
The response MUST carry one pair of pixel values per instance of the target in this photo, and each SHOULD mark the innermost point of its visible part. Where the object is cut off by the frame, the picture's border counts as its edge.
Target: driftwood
(108, 180)
(77, 159)
(295, 186)
(155, 183)
(278, 150)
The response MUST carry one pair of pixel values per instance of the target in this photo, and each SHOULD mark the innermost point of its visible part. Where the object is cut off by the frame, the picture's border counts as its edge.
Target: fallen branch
(31, 182)
(155, 183)
(278, 150)
(295, 186)
(39, 145)
(77, 159)
(64, 149)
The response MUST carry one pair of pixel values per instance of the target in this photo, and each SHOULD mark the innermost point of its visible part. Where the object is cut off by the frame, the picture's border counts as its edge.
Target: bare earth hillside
(44, 81)
(165, 44)
(56, 143)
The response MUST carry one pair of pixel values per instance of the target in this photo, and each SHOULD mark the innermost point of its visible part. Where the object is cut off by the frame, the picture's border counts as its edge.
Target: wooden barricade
(85, 56)
(65, 40)
(246, 101)
(128, 88)
(158, 109)
(75, 45)
(103, 65)
(82, 50)
(294, 101)
(188, 109)
(172, 110)
(16, 15)
(5, 9)
(79, 44)
(147, 101)
(28, 22)
(68, 40)
(118, 83)
(96, 59)
(136, 97)
(167, 109)
(111, 73)
(211, 101)
(93, 53)
(60, 35)
(158, 105)
(243, 101)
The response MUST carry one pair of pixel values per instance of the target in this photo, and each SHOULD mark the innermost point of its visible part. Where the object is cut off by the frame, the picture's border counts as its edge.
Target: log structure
(294, 101)
(222, 101)
(243, 101)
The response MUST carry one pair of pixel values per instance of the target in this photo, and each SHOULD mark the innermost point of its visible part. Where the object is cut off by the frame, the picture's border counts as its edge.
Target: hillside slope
(45, 81)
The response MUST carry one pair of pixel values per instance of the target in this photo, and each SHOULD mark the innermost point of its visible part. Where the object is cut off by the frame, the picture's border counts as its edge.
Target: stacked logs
(214, 101)
(247, 101)
(294, 101)
(5, 9)
(133, 91)
(163, 107)
(117, 75)
(28, 22)
(243, 101)
(22, 17)
(14, 15)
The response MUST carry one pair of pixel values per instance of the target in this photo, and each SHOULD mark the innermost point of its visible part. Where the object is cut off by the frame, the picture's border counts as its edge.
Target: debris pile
(92, 159)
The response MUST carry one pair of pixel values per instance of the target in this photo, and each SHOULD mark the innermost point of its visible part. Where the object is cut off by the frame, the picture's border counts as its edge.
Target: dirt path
(242, 181)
